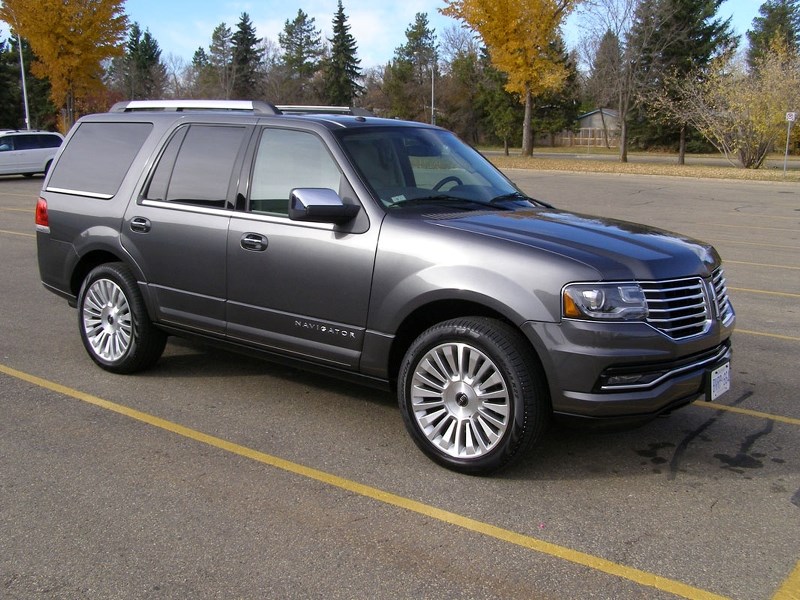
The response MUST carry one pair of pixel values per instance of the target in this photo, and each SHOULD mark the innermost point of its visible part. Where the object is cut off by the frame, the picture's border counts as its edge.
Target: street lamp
(24, 86)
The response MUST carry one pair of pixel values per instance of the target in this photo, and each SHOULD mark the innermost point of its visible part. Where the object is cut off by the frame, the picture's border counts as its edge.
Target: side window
(197, 165)
(288, 159)
(47, 140)
(26, 142)
(6, 144)
(98, 157)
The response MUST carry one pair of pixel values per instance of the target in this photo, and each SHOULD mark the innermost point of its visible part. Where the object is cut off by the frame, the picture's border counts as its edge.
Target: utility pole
(24, 86)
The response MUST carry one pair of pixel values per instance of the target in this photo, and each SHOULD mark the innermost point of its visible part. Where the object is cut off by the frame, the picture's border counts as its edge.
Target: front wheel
(472, 394)
(115, 327)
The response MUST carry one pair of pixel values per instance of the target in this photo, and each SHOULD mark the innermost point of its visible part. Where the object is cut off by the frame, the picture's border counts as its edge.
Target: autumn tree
(341, 71)
(520, 36)
(71, 40)
(740, 111)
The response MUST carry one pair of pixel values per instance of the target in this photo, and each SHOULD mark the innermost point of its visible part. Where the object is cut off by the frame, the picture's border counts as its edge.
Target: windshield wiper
(518, 196)
(441, 199)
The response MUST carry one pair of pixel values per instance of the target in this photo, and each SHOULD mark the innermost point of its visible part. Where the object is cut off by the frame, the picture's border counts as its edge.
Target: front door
(301, 288)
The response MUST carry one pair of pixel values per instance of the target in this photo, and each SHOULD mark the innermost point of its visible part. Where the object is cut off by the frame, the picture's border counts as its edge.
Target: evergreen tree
(140, 74)
(686, 35)
(779, 18)
(12, 107)
(409, 76)
(246, 58)
(341, 70)
(10, 113)
(558, 110)
(601, 86)
(220, 61)
(301, 43)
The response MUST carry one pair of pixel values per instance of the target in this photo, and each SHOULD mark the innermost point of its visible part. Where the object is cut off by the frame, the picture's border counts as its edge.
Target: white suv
(27, 152)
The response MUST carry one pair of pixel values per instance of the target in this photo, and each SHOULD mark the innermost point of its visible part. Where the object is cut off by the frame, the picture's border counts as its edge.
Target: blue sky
(378, 26)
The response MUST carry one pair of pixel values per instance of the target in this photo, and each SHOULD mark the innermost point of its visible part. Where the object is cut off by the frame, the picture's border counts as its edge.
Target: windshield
(407, 166)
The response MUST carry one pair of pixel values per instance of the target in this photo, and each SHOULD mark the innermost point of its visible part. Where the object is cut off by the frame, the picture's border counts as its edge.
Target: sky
(379, 26)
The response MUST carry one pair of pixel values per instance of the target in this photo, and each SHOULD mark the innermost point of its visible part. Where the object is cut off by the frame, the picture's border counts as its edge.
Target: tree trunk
(623, 140)
(505, 145)
(682, 146)
(527, 129)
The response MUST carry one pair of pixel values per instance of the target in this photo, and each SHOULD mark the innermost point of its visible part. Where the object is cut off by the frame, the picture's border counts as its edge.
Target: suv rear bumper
(594, 379)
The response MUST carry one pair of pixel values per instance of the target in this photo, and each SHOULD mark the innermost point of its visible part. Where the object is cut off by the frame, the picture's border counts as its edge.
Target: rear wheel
(115, 328)
(472, 394)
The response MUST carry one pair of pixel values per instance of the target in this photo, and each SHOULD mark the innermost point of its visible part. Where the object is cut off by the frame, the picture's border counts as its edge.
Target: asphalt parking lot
(217, 476)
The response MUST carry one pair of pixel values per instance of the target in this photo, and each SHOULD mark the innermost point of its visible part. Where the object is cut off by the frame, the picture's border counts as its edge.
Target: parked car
(384, 252)
(27, 152)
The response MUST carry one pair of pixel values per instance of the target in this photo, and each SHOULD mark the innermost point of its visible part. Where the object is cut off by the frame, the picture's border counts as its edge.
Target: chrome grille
(677, 307)
(723, 303)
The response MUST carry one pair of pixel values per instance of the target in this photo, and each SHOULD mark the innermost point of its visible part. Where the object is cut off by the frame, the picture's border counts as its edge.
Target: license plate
(719, 381)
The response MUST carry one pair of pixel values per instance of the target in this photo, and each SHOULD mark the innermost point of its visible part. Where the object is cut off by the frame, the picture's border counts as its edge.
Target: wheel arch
(437, 311)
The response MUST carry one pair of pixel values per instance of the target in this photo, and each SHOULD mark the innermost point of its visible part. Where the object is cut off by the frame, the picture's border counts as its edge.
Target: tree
(408, 78)
(519, 37)
(341, 69)
(779, 18)
(741, 113)
(601, 86)
(246, 58)
(558, 110)
(302, 48)
(71, 40)
(140, 74)
(220, 61)
(686, 36)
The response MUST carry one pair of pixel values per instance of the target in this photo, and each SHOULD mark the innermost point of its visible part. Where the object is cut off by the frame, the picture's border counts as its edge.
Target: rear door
(177, 231)
(300, 288)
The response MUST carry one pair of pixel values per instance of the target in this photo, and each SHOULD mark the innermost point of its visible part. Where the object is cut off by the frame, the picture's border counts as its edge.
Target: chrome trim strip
(723, 353)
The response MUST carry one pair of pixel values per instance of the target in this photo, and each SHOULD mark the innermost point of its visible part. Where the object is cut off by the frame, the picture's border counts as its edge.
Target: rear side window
(35, 141)
(197, 165)
(97, 157)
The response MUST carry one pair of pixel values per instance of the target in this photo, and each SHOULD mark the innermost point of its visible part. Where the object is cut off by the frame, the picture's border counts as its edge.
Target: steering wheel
(446, 180)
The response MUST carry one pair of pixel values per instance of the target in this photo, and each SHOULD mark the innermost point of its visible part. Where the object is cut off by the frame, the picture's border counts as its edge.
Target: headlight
(604, 301)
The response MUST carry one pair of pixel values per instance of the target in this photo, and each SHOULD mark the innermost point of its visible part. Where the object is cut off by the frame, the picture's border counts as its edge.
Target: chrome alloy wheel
(107, 320)
(460, 400)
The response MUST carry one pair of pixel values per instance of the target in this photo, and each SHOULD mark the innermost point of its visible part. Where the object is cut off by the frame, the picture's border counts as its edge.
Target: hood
(618, 250)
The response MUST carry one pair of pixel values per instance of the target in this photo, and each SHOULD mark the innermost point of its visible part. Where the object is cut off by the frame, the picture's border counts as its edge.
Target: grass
(636, 166)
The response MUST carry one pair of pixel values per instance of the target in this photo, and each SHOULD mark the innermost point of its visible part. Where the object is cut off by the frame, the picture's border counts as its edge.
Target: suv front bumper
(624, 373)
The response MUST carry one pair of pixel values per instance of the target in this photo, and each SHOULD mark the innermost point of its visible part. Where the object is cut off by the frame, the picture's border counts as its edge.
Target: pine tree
(408, 77)
(341, 70)
(779, 18)
(220, 61)
(246, 58)
(140, 73)
(301, 43)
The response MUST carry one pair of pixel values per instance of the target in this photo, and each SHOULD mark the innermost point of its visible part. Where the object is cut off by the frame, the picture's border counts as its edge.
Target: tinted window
(286, 160)
(98, 156)
(197, 166)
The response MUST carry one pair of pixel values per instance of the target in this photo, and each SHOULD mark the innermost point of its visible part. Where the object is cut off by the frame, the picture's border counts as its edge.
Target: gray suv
(385, 252)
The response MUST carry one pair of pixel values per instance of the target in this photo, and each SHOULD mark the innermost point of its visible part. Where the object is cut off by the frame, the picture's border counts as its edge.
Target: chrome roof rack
(256, 107)
(302, 109)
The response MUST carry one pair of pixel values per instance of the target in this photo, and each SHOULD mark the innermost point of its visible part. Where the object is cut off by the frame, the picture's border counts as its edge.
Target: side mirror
(320, 205)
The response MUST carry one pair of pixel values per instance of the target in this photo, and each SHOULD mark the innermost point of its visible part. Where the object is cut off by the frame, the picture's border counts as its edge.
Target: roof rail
(254, 106)
(300, 109)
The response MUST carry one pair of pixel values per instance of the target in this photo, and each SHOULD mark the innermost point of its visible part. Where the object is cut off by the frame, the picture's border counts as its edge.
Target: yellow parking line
(752, 227)
(751, 291)
(593, 562)
(776, 336)
(17, 233)
(752, 264)
(790, 590)
(25, 210)
(730, 241)
(748, 412)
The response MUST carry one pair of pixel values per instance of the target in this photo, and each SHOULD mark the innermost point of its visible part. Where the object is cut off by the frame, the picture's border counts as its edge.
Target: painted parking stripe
(593, 562)
(17, 233)
(777, 336)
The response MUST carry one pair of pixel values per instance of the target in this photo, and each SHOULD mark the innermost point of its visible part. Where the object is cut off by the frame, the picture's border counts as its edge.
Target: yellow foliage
(71, 39)
(519, 35)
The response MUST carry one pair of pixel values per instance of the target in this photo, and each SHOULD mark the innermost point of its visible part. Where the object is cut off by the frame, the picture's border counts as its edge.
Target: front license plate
(719, 381)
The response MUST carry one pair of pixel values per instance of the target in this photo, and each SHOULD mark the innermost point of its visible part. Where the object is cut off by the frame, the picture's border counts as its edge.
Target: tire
(114, 325)
(473, 395)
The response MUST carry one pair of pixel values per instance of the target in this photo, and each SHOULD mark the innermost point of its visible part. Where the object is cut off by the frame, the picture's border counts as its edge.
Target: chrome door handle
(140, 225)
(254, 241)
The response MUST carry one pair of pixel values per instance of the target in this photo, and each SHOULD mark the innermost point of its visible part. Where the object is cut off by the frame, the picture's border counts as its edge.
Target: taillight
(42, 220)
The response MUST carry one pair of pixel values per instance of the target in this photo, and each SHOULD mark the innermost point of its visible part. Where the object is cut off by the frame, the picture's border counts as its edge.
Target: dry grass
(643, 168)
